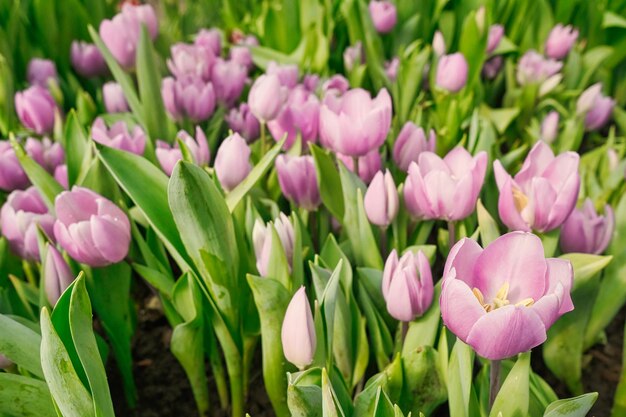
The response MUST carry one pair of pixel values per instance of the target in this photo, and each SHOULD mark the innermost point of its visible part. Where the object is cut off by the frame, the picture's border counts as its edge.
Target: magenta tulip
(492, 67)
(407, 285)
(369, 164)
(118, 136)
(266, 97)
(36, 109)
(452, 72)
(90, 228)
(596, 107)
(410, 143)
(381, 200)
(57, 275)
(262, 241)
(496, 32)
(87, 59)
(298, 331)
(384, 15)
(12, 176)
(188, 97)
(560, 41)
(533, 68)
(586, 231)
(211, 39)
(190, 60)
(501, 300)
(169, 155)
(445, 188)
(287, 74)
(232, 162)
(114, 99)
(229, 79)
(41, 71)
(298, 180)
(300, 115)
(242, 121)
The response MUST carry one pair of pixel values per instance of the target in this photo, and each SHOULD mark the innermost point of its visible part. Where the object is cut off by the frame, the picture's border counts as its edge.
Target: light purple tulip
(19, 218)
(232, 162)
(242, 56)
(452, 72)
(384, 15)
(310, 82)
(560, 41)
(533, 68)
(550, 127)
(585, 231)
(191, 60)
(12, 176)
(287, 74)
(300, 114)
(613, 159)
(169, 155)
(87, 59)
(410, 143)
(596, 107)
(266, 97)
(381, 200)
(262, 241)
(542, 194)
(407, 285)
(229, 79)
(211, 39)
(36, 109)
(336, 85)
(391, 68)
(114, 99)
(369, 164)
(496, 32)
(188, 97)
(501, 300)
(492, 67)
(57, 275)
(40, 71)
(242, 121)
(46, 153)
(439, 44)
(118, 136)
(445, 188)
(121, 33)
(355, 124)
(298, 180)
(353, 56)
(298, 331)
(60, 174)
(90, 228)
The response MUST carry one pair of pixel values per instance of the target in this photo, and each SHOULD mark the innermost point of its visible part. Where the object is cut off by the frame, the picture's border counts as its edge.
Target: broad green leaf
(488, 226)
(423, 331)
(382, 405)
(328, 181)
(424, 387)
(304, 394)
(389, 380)
(24, 396)
(572, 407)
(586, 265)
(613, 20)
(77, 149)
(330, 403)
(162, 282)
(20, 344)
(513, 398)
(460, 379)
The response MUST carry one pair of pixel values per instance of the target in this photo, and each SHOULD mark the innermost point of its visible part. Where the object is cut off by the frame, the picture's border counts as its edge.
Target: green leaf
(513, 398)
(424, 386)
(572, 407)
(25, 397)
(328, 181)
(423, 331)
(77, 149)
(68, 393)
(460, 379)
(502, 118)
(330, 403)
(20, 344)
(488, 227)
(389, 380)
(586, 265)
(613, 20)
(162, 282)
(304, 394)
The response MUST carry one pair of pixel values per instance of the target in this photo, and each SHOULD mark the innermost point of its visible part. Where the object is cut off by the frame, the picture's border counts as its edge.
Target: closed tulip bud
(298, 180)
(310, 82)
(266, 97)
(336, 85)
(60, 174)
(407, 285)
(596, 108)
(36, 109)
(232, 162)
(300, 114)
(56, 274)
(612, 158)
(287, 74)
(19, 218)
(211, 39)
(384, 15)
(298, 331)
(242, 121)
(391, 69)
(353, 56)
(229, 79)
(90, 228)
(12, 176)
(262, 241)
(190, 60)
(585, 231)
(533, 68)
(502, 300)
(492, 67)
(369, 165)
(168, 155)
(496, 32)
(542, 194)
(439, 44)
(87, 59)
(118, 136)
(40, 71)
(355, 124)
(445, 188)
(410, 143)
(452, 72)
(188, 97)
(114, 99)
(381, 200)
(46, 153)
(560, 41)
(550, 127)
(242, 56)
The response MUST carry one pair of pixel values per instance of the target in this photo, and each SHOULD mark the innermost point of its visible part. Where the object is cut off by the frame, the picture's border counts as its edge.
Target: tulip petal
(507, 209)
(462, 258)
(111, 238)
(460, 309)
(538, 159)
(560, 272)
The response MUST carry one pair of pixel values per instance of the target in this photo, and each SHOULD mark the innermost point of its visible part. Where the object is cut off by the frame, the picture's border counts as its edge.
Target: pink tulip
(596, 107)
(169, 155)
(336, 85)
(533, 68)
(19, 218)
(118, 136)
(36, 109)
(46, 153)
(298, 180)
(391, 68)
(445, 188)
(114, 99)
(229, 79)
(287, 74)
(298, 331)
(300, 115)
(355, 124)
(353, 56)
(232, 162)
(439, 44)
(90, 228)
(496, 32)
(407, 285)
(242, 56)
(242, 121)
(60, 174)
(369, 165)
(12, 176)
(41, 71)
(542, 194)
(57, 275)
(381, 200)
(410, 143)
(188, 97)
(266, 97)
(560, 41)
(191, 60)
(310, 82)
(87, 59)
(452, 72)
(384, 15)
(501, 300)
(550, 127)
(262, 241)
(211, 40)
(585, 231)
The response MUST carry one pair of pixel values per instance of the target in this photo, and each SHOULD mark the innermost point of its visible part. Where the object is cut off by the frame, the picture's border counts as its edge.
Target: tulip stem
(405, 330)
(355, 163)
(451, 234)
(494, 381)
(383, 242)
(263, 140)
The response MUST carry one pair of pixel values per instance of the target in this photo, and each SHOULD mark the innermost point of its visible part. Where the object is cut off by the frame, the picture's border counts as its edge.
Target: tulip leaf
(380, 338)
(20, 344)
(513, 398)
(423, 331)
(382, 405)
(572, 407)
(304, 394)
(389, 380)
(328, 181)
(330, 403)
(162, 282)
(424, 387)
(24, 396)
(487, 225)
(77, 149)
(278, 265)
(460, 379)
(69, 394)
(236, 195)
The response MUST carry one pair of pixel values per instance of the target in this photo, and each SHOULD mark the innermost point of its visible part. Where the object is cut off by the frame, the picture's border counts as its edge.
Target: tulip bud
(12, 176)
(407, 285)
(533, 68)
(40, 71)
(36, 109)
(369, 164)
(60, 174)
(391, 68)
(491, 67)
(300, 114)
(118, 136)
(46, 153)
(242, 56)
(242, 121)
(411, 142)
(353, 56)
(266, 97)
(90, 228)
(87, 59)
(439, 44)
(211, 39)
(310, 82)
(613, 159)
(168, 155)
(188, 97)
(585, 231)
(56, 274)
(550, 127)
(114, 100)
(190, 60)
(298, 180)
(495, 36)
(298, 331)
(560, 41)
(229, 79)
(381, 200)
(232, 162)
(336, 85)
(287, 74)
(19, 218)
(262, 240)
(384, 15)
(452, 72)
(596, 107)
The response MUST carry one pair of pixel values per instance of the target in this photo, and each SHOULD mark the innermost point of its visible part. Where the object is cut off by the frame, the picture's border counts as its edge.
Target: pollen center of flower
(500, 299)
(520, 199)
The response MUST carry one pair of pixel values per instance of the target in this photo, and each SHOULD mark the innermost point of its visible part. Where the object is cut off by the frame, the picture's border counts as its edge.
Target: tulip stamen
(520, 199)
(526, 302)
(500, 299)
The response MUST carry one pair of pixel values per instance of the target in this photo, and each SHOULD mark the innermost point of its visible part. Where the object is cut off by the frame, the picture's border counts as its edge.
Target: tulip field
(333, 208)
